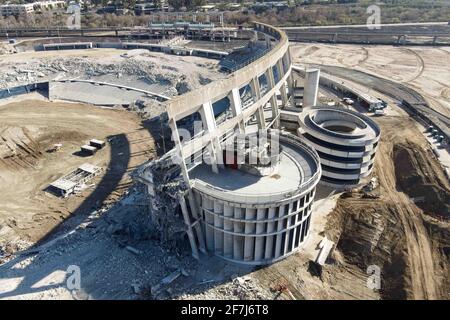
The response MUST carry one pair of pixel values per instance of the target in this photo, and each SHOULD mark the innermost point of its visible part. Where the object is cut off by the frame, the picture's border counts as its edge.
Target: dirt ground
(394, 231)
(424, 69)
(28, 129)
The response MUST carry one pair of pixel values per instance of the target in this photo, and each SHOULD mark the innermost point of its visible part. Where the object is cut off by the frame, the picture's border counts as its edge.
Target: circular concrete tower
(345, 140)
(259, 219)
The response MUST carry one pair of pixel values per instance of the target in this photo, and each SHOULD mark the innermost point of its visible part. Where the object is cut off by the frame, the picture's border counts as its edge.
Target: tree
(176, 4)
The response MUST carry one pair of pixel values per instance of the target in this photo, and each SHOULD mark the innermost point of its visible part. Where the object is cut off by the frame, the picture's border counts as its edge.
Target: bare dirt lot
(425, 69)
(28, 129)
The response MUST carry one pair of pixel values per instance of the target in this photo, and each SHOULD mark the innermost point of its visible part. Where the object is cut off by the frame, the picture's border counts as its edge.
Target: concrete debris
(133, 250)
(6, 48)
(325, 246)
(168, 186)
(171, 277)
(137, 287)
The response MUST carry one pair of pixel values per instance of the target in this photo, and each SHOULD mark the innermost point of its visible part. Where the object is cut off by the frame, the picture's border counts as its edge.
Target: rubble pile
(165, 212)
(6, 48)
(83, 68)
(243, 287)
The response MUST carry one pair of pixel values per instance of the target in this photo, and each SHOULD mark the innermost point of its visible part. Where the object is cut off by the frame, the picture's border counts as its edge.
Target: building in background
(16, 9)
(28, 8)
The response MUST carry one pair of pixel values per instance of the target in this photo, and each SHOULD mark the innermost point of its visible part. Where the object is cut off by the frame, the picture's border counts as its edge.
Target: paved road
(364, 25)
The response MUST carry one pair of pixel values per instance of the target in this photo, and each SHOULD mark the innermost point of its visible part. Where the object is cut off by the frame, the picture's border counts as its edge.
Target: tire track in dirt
(420, 68)
(365, 58)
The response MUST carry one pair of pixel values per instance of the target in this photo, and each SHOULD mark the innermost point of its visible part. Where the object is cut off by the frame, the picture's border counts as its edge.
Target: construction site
(223, 164)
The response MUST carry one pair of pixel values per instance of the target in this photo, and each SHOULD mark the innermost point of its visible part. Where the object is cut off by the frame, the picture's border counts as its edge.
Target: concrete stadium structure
(345, 140)
(234, 213)
(259, 220)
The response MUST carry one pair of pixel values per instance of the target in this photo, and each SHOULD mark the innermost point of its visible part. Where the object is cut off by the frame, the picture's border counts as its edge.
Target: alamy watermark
(74, 20)
(259, 148)
(73, 282)
(374, 19)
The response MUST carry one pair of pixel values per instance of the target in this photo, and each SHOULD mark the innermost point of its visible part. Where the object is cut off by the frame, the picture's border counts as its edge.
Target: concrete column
(284, 96)
(209, 124)
(228, 212)
(238, 227)
(270, 229)
(308, 220)
(311, 87)
(196, 213)
(256, 92)
(218, 224)
(267, 40)
(176, 139)
(280, 68)
(273, 99)
(290, 83)
(289, 56)
(260, 117)
(294, 233)
(275, 111)
(189, 231)
(279, 228)
(270, 78)
(287, 237)
(236, 107)
(209, 220)
(260, 229)
(249, 245)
